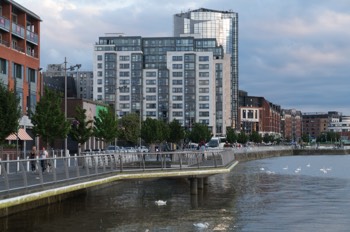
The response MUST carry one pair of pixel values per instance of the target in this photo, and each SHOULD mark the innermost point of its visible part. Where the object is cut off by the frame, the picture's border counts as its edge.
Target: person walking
(43, 157)
(32, 156)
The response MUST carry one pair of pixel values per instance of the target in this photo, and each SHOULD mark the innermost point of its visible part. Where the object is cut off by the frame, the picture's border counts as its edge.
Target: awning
(22, 135)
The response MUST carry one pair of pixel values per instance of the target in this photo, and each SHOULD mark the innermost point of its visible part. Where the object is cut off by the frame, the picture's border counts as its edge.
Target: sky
(294, 53)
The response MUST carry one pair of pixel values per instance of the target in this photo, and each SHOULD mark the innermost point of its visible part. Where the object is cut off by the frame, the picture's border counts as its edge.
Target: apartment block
(166, 78)
(291, 125)
(316, 123)
(20, 53)
(221, 25)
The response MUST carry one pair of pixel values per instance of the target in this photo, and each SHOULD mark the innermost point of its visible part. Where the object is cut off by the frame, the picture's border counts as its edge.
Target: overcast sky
(295, 53)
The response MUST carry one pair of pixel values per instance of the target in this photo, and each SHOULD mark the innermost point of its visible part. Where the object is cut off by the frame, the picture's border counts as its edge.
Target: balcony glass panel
(17, 30)
(32, 37)
(4, 23)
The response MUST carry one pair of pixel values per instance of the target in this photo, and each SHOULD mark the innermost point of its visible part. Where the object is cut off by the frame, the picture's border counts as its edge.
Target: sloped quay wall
(254, 155)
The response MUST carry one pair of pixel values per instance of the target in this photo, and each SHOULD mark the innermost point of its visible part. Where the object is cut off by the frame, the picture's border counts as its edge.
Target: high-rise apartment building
(20, 52)
(166, 78)
(221, 25)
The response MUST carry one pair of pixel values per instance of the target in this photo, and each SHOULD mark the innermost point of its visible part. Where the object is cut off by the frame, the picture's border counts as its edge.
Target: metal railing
(17, 174)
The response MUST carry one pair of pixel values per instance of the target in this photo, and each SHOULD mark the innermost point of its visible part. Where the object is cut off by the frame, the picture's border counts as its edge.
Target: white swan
(201, 225)
(160, 202)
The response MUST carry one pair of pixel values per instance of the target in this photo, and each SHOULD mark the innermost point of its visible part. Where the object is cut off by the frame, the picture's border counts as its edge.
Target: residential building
(164, 78)
(221, 25)
(291, 125)
(316, 123)
(20, 53)
(340, 125)
(258, 114)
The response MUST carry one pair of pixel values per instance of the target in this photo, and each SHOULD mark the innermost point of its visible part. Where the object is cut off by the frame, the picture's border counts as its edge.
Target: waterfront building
(316, 123)
(258, 114)
(340, 125)
(165, 78)
(291, 125)
(20, 53)
(221, 25)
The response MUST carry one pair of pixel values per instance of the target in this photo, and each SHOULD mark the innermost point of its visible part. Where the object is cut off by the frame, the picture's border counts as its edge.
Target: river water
(296, 193)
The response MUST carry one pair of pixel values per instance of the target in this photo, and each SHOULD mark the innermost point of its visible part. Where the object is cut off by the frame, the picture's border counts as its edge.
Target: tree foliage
(49, 121)
(176, 132)
(9, 113)
(255, 137)
(231, 135)
(153, 131)
(106, 125)
(199, 133)
(81, 129)
(130, 128)
(242, 137)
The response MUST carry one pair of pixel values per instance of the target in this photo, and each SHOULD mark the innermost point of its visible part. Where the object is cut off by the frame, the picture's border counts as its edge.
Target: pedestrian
(32, 156)
(43, 157)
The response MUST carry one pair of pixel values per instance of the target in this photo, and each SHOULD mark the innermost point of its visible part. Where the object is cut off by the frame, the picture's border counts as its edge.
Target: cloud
(293, 53)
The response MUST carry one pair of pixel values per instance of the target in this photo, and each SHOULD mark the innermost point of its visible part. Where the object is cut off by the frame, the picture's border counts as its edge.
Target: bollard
(0, 167)
(8, 164)
(17, 164)
(28, 164)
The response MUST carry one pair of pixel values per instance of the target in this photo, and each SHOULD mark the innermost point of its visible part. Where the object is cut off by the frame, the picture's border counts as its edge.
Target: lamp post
(71, 68)
(116, 108)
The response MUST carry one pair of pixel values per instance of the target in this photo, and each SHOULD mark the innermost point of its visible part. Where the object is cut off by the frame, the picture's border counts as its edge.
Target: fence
(17, 174)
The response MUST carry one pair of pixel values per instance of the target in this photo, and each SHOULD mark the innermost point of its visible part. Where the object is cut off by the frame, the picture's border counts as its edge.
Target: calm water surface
(301, 193)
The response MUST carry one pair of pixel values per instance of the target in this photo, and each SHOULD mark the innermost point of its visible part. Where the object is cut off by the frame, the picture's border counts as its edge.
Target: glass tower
(222, 25)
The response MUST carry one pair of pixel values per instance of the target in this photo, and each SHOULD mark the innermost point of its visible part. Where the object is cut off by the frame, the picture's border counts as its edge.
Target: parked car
(143, 149)
(130, 149)
(111, 149)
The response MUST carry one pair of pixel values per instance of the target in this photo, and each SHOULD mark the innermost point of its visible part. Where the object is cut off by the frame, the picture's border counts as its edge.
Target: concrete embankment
(263, 154)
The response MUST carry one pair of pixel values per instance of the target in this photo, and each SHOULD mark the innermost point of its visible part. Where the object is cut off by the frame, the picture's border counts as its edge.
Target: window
(203, 82)
(177, 66)
(151, 98)
(99, 73)
(177, 74)
(3, 66)
(203, 66)
(99, 57)
(123, 82)
(178, 114)
(124, 66)
(177, 90)
(204, 106)
(177, 106)
(124, 98)
(177, 58)
(31, 75)
(151, 113)
(99, 65)
(151, 82)
(177, 82)
(124, 74)
(151, 106)
(203, 58)
(124, 58)
(17, 70)
(177, 98)
(203, 90)
(150, 90)
(203, 98)
(151, 74)
(204, 114)
(99, 81)
(203, 74)
(189, 66)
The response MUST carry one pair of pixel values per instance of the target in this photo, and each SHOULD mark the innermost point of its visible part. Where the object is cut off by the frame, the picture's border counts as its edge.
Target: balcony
(18, 30)
(4, 42)
(4, 23)
(32, 37)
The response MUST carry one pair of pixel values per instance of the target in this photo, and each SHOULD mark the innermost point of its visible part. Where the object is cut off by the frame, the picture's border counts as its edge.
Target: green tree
(199, 132)
(81, 129)
(305, 138)
(49, 122)
(255, 137)
(131, 128)
(106, 125)
(154, 131)
(9, 113)
(231, 135)
(242, 138)
(176, 132)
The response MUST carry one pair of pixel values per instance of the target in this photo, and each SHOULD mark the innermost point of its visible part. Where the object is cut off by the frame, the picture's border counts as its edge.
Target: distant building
(221, 25)
(291, 125)
(340, 125)
(258, 114)
(20, 53)
(316, 123)
(165, 78)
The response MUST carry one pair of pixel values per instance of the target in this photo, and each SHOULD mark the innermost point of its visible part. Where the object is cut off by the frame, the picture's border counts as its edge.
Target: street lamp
(71, 68)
